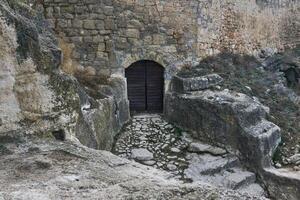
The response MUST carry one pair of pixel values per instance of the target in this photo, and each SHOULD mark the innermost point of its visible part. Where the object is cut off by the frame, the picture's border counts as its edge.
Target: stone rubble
(151, 141)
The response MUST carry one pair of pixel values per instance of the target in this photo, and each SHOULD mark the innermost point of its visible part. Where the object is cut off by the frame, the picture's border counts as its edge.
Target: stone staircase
(217, 167)
(222, 171)
(229, 119)
(225, 117)
(152, 141)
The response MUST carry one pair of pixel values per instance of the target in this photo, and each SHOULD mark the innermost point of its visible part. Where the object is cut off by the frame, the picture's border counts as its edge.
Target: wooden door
(136, 86)
(145, 85)
(154, 87)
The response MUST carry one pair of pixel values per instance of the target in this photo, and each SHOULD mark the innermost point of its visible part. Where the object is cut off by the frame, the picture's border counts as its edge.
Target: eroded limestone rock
(78, 172)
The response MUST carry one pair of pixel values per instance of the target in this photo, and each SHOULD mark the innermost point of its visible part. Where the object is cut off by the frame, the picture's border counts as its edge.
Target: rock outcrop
(48, 169)
(37, 96)
(234, 121)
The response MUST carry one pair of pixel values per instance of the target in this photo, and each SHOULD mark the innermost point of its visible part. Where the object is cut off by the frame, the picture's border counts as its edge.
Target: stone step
(238, 178)
(206, 164)
(253, 189)
(250, 114)
(181, 84)
(263, 127)
(265, 138)
(234, 178)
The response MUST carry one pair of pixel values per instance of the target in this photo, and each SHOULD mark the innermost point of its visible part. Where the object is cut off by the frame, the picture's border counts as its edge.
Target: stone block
(147, 40)
(77, 23)
(158, 39)
(101, 47)
(98, 38)
(108, 10)
(62, 23)
(121, 43)
(132, 33)
(109, 45)
(109, 24)
(100, 24)
(195, 83)
(89, 24)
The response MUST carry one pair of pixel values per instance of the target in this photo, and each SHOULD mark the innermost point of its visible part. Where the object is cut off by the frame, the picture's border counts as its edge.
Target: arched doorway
(145, 85)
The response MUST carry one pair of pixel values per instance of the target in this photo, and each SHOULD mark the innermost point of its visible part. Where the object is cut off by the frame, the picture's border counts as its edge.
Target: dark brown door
(145, 85)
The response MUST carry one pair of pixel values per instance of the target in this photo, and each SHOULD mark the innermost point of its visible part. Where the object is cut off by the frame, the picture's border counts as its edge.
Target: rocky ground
(43, 168)
(152, 141)
(273, 78)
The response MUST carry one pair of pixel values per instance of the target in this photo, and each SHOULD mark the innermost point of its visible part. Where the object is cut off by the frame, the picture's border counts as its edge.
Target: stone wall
(109, 35)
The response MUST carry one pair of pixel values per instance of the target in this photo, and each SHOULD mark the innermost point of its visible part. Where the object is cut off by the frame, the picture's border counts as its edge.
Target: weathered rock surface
(208, 165)
(229, 119)
(47, 169)
(152, 141)
(196, 83)
(37, 97)
(282, 183)
(237, 122)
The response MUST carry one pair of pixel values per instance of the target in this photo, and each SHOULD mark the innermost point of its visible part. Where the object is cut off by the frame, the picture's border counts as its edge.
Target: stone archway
(145, 86)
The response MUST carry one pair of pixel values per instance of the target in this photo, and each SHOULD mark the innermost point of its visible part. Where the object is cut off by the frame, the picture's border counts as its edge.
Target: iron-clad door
(136, 86)
(154, 87)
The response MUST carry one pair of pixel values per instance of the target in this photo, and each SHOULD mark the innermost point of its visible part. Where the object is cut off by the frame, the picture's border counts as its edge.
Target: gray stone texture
(73, 171)
(150, 140)
(228, 119)
(173, 31)
(195, 83)
(238, 123)
(37, 98)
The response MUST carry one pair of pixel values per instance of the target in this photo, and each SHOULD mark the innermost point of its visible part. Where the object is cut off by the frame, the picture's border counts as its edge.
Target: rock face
(237, 122)
(228, 119)
(196, 83)
(37, 97)
(152, 141)
(72, 171)
(223, 172)
(104, 110)
(30, 62)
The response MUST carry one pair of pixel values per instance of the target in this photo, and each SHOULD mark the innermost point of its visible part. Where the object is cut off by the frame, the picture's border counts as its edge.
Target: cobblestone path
(152, 141)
